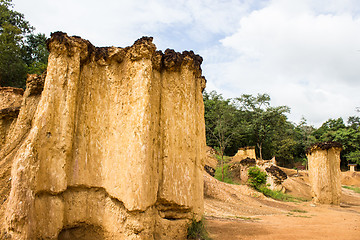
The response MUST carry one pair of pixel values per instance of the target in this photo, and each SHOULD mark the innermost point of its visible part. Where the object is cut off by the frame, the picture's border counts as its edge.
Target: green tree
(263, 121)
(21, 51)
(354, 122)
(304, 133)
(35, 53)
(353, 157)
(13, 28)
(347, 135)
(220, 123)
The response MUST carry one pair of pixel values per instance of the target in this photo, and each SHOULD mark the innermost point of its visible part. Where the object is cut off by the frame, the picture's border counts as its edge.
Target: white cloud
(304, 53)
(121, 22)
(303, 58)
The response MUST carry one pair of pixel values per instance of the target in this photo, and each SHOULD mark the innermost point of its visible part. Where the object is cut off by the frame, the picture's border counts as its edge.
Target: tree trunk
(260, 150)
(222, 166)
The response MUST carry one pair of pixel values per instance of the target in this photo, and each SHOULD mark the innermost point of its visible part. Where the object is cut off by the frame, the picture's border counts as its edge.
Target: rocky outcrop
(275, 178)
(116, 146)
(17, 134)
(10, 97)
(211, 171)
(211, 161)
(245, 152)
(10, 102)
(324, 172)
(239, 170)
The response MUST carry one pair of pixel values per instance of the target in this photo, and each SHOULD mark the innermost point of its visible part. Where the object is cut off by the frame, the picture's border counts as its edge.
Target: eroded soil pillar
(324, 172)
(115, 149)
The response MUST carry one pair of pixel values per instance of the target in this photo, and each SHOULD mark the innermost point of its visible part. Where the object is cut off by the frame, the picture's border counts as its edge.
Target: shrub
(197, 230)
(257, 178)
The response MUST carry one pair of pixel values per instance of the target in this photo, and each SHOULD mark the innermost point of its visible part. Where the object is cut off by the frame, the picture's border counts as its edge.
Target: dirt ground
(236, 212)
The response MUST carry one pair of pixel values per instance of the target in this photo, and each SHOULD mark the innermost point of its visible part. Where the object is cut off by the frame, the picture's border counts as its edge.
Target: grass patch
(278, 195)
(355, 189)
(227, 177)
(290, 214)
(298, 211)
(247, 218)
(302, 216)
(197, 230)
(226, 158)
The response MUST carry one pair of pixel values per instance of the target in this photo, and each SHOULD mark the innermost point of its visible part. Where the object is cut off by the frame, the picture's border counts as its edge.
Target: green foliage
(220, 121)
(197, 230)
(12, 29)
(257, 178)
(35, 53)
(21, 51)
(347, 135)
(252, 121)
(222, 174)
(355, 189)
(226, 159)
(248, 121)
(264, 123)
(278, 195)
(353, 157)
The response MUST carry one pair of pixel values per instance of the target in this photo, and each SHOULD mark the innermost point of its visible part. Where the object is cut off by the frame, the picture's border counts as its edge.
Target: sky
(304, 53)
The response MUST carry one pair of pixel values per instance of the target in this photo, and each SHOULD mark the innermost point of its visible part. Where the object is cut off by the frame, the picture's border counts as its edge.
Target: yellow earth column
(324, 172)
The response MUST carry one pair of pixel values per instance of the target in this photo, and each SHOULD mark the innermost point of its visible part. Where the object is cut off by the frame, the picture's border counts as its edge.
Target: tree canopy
(251, 121)
(21, 50)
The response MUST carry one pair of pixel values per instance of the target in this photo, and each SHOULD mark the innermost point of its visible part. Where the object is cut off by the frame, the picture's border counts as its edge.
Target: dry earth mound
(237, 212)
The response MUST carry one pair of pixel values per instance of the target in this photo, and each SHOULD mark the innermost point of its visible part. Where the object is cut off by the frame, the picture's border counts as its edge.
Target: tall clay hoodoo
(324, 172)
(115, 149)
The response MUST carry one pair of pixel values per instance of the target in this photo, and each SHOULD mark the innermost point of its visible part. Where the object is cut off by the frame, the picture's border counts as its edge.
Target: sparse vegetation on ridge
(197, 230)
(257, 180)
(355, 189)
(278, 195)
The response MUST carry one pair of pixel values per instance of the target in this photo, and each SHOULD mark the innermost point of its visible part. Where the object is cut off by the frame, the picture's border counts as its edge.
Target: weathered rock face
(10, 97)
(245, 152)
(275, 177)
(211, 161)
(239, 170)
(324, 172)
(116, 147)
(16, 136)
(10, 102)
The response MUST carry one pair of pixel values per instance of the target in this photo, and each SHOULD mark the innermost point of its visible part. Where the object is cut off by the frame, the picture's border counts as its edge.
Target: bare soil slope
(238, 212)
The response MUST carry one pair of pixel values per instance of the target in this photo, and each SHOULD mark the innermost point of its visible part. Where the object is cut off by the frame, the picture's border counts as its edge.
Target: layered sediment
(10, 102)
(116, 146)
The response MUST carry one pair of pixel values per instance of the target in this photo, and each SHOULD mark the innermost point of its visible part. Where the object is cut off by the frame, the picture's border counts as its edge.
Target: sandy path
(234, 213)
(320, 222)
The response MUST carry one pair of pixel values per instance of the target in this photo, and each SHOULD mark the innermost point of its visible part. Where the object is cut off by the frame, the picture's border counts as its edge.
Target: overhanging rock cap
(324, 146)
